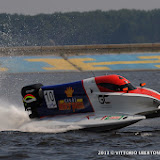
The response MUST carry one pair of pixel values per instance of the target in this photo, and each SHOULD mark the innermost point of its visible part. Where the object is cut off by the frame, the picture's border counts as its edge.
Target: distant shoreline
(79, 49)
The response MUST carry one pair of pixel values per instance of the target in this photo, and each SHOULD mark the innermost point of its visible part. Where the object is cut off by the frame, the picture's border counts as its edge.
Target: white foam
(11, 117)
(14, 118)
(46, 126)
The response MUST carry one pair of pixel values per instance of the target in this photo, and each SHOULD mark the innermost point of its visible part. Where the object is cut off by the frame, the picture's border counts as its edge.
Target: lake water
(21, 138)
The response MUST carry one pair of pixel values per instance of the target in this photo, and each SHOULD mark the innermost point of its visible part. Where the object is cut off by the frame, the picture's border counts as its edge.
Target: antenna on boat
(93, 74)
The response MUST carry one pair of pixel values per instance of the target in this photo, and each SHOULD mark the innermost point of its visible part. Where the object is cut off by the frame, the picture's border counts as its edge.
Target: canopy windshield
(114, 87)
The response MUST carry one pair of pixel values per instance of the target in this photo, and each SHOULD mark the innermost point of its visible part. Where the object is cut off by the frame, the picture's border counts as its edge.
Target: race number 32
(50, 99)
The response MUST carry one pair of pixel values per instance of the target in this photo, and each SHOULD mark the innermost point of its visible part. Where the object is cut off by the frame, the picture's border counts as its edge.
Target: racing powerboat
(96, 104)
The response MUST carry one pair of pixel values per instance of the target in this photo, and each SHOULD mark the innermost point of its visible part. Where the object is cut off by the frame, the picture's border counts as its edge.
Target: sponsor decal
(29, 98)
(64, 99)
(112, 117)
(30, 91)
(103, 99)
(69, 92)
(70, 102)
(50, 99)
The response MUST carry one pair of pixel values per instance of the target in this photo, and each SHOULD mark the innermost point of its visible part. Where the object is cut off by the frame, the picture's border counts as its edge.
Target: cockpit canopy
(113, 83)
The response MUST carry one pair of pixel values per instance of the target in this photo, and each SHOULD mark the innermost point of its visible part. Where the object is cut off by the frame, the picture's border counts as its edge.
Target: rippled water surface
(21, 138)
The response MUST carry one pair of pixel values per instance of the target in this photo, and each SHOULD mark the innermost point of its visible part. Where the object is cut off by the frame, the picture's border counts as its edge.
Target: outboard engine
(32, 98)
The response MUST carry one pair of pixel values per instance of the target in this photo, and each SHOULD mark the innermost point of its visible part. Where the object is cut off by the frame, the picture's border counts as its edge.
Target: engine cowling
(32, 98)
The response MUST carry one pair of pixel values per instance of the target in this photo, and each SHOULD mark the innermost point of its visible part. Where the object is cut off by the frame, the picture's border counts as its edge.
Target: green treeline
(80, 28)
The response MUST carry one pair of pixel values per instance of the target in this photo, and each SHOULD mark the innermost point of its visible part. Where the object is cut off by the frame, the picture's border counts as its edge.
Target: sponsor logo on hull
(70, 103)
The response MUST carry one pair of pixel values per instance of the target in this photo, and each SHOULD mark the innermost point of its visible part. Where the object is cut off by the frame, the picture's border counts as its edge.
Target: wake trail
(11, 117)
(14, 118)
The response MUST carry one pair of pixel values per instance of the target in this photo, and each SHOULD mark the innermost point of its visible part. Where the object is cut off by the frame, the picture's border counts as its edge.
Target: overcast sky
(32, 7)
